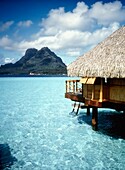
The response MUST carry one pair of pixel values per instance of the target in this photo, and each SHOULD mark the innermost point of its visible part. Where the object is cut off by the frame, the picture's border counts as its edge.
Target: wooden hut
(102, 76)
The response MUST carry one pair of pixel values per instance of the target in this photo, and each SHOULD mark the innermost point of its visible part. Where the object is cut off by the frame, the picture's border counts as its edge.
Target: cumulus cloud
(71, 41)
(8, 60)
(4, 60)
(27, 23)
(107, 13)
(74, 32)
(83, 18)
(5, 26)
(6, 42)
(77, 19)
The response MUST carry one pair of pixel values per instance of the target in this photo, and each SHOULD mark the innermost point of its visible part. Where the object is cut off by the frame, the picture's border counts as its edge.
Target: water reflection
(6, 159)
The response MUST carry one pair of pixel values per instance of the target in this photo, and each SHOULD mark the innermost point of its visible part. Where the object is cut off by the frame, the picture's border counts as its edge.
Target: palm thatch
(106, 60)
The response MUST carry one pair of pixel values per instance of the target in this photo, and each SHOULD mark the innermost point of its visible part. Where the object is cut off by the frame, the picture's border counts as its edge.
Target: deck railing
(73, 86)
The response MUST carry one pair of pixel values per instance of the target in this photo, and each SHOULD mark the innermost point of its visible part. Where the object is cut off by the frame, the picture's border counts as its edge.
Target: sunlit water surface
(35, 123)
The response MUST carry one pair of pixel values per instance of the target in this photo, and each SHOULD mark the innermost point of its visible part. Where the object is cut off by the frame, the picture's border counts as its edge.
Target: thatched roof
(107, 59)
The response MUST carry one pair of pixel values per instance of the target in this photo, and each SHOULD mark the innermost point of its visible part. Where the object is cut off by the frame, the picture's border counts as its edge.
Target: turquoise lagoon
(42, 135)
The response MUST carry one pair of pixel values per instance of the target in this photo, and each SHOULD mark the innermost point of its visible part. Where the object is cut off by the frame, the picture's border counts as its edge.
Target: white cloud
(5, 60)
(83, 18)
(27, 23)
(72, 41)
(81, 8)
(8, 60)
(58, 20)
(73, 52)
(5, 26)
(6, 42)
(107, 13)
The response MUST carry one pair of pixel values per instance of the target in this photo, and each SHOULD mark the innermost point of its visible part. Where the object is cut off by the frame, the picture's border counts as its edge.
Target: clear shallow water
(35, 123)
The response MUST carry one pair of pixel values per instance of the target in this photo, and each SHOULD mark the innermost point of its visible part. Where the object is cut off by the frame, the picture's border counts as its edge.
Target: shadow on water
(110, 123)
(6, 159)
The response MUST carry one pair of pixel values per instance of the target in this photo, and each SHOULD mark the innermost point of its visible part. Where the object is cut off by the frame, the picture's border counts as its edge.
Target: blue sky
(68, 28)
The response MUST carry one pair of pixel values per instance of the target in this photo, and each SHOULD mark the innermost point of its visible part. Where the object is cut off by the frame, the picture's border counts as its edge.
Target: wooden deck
(73, 91)
(106, 104)
(77, 97)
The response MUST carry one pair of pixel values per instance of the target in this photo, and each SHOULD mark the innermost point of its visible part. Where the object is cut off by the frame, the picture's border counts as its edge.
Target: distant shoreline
(27, 75)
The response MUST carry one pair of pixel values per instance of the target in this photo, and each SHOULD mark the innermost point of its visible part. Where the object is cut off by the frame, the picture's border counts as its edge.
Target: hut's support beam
(88, 111)
(93, 91)
(101, 91)
(95, 118)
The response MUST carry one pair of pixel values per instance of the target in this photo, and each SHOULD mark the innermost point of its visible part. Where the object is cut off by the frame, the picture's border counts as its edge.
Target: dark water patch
(110, 123)
(6, 159)
(83, 118)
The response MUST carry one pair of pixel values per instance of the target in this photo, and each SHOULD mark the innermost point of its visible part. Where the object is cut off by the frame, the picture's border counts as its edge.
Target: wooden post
(66, 87)
(82, 90)
(95, 118)
(69, 86)
(76, 86)
(88, 111)
(101, 91)
(93, 91)
(73, 86)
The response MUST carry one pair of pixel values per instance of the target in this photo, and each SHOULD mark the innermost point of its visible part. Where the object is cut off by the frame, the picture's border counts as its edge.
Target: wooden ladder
(76, 108)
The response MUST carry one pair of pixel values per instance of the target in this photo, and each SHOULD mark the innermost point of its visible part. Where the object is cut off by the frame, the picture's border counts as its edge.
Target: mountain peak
(42, 61)
(31, 52)
(45, 49)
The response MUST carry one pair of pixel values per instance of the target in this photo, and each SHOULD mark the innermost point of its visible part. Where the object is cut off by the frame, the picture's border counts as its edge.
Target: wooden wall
(91, 91)
(117, 89)
(87, 91)
(117, 93)
(113, 90)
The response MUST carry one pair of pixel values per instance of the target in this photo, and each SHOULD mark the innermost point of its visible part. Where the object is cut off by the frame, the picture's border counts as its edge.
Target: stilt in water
(95, 118)
(88, 111)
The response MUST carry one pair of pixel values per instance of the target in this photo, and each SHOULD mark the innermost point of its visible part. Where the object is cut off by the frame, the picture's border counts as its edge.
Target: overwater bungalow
(101, 73)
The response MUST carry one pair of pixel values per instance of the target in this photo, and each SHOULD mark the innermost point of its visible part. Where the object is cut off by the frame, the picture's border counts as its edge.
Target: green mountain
(35, 61)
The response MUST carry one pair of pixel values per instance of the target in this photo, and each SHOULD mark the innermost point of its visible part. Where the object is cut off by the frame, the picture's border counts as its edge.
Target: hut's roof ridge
(107, 59)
